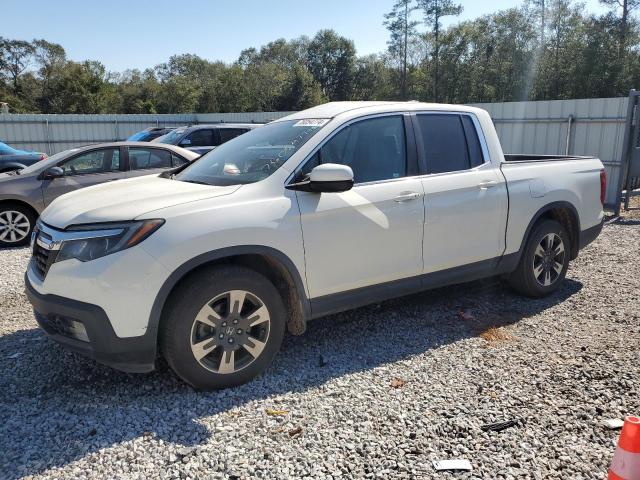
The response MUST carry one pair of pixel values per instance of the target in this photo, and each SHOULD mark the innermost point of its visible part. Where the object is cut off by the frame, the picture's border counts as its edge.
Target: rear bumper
(590, 234)
(131, 354)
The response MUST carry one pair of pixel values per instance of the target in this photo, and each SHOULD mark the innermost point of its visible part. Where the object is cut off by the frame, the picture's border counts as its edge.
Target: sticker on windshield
(311, 122)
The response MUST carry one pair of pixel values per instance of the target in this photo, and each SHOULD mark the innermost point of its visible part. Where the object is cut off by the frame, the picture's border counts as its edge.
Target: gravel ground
(377, 392)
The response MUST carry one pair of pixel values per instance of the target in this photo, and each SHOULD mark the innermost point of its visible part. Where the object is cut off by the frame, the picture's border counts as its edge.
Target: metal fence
(54, 133)
(575, 127)
(593, 127)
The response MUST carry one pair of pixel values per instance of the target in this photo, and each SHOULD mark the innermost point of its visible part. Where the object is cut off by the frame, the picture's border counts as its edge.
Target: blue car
(149, 134)
(12, 159)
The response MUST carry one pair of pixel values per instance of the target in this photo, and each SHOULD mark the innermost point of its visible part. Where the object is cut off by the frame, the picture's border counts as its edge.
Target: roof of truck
(333, 109)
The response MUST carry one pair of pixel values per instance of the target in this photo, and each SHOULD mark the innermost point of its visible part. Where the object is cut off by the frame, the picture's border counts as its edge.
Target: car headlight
(91, 241)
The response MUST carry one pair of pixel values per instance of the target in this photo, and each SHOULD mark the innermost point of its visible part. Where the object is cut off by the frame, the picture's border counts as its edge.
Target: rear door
(83, 170)
(465, 196)
(150, 160)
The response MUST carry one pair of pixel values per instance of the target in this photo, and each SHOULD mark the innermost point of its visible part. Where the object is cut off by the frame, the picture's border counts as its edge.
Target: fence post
(569, 125)
(626, 150)
(115, 122)
(47, 136)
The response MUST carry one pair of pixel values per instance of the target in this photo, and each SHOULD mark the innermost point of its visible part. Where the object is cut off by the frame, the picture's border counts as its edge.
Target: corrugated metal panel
(55, 133)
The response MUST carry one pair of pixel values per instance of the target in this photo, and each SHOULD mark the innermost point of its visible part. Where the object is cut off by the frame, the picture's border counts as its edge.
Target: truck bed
(511, 157)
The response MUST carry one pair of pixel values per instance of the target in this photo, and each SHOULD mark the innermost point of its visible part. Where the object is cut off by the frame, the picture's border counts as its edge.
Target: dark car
(13, 159)
(25, 193)
(149, 134)
(204, 138)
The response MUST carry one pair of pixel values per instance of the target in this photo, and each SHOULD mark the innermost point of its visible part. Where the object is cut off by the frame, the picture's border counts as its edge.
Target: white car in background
(327, 209)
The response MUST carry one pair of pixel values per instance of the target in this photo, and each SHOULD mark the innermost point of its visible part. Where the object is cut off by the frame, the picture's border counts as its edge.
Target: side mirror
(52, 172)
(329, 177)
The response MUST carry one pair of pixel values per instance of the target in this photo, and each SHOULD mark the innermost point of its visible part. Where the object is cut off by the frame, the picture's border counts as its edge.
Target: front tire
(16, 225)
(222, 327)
(544, 262)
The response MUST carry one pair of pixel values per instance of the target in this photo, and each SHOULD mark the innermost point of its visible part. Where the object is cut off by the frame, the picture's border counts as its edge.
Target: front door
(371, 234)
(86, 169)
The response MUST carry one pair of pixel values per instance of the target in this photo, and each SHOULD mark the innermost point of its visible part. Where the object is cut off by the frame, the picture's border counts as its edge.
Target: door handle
(487, 184)
(406, 196)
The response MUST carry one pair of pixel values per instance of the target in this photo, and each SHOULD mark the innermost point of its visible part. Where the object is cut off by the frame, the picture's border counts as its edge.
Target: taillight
(43, 156)
(603, 185)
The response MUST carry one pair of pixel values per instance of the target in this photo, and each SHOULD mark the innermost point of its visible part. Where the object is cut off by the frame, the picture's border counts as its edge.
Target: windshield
(172, 137)
(253, 156)
(139, 137)
(6, 149)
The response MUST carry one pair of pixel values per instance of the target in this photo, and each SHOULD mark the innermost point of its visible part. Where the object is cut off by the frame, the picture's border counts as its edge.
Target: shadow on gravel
(625, 221)
(56, 407)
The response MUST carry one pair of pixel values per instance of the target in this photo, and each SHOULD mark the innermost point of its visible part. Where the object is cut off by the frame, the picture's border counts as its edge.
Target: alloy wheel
(548, 259)
(230, 331)
(14, 226)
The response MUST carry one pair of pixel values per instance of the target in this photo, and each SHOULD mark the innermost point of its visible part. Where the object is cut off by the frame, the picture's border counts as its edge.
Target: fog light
(76, 330)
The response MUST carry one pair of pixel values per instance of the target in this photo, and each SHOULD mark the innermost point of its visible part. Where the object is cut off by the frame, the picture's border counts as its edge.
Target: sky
(143, 33)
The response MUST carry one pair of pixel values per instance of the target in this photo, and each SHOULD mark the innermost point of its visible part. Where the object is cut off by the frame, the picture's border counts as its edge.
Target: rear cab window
(449, 142)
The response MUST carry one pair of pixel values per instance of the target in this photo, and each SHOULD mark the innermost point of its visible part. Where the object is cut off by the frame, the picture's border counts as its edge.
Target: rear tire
(16, 225)
(222, 327)
(544, 262)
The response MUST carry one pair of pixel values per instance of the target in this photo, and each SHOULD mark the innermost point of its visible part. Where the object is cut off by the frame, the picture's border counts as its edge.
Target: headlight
(88, 242)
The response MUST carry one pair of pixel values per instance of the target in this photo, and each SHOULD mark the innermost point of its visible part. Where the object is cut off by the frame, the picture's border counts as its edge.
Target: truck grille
(42, 258)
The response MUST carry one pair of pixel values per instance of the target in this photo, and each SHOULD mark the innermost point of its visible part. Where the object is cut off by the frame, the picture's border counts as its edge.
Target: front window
(253, 156)
(96, 161)
(199, 138)
(375, 149)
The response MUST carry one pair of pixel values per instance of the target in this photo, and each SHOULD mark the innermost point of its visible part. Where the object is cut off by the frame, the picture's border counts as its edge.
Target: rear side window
(444, 142)
(199, 138)
(147, 158)
(227, 134)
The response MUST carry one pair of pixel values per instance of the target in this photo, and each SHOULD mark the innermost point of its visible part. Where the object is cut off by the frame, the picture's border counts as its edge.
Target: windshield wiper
(196, 181)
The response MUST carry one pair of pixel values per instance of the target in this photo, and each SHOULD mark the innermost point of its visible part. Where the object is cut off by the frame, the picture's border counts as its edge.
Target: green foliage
(545, 49)
(331, 60)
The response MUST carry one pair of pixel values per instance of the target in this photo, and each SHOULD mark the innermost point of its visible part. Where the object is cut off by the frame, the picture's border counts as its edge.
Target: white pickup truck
(322, 211)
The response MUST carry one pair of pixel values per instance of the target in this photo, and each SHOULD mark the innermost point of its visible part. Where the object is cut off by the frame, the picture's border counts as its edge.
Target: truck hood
(125, 200)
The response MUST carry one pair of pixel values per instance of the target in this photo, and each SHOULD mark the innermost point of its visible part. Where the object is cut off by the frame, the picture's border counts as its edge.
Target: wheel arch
(563, 212)
(268, 261)
(8, 202)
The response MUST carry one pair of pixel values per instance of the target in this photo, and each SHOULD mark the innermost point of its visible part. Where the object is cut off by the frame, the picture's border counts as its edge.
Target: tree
(433, 11)
(540, 9)
(402, 30)
(15, 57)
(626, 9)
(331, 60)
(51, 59)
